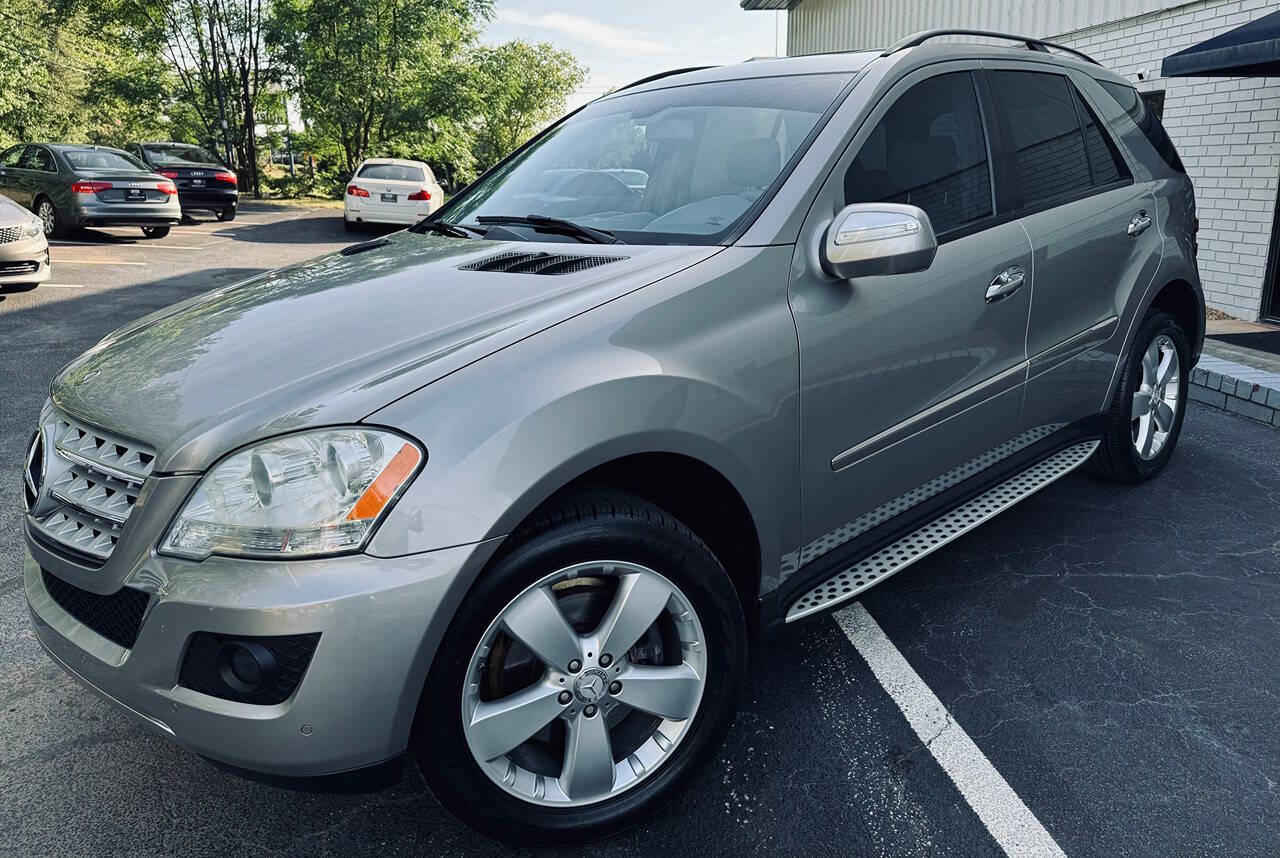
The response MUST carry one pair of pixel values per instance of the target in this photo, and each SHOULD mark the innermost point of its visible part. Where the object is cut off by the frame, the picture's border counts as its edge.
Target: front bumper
(17, 256)
(379, 621)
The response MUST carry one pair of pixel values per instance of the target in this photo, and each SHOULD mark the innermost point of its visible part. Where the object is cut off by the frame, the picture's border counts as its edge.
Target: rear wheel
(48, 214)
(155, 231)
(1145, 418)
(588, 676)
(229, 213)
(349, 226)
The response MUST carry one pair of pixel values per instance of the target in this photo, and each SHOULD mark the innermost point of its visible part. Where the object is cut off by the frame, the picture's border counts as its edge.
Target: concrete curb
(1243, 390)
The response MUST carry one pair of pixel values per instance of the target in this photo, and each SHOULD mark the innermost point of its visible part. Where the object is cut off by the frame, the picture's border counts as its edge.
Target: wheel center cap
(591, 685)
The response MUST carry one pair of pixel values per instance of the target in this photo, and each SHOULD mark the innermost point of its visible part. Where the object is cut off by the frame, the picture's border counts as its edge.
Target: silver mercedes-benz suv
(515, 488)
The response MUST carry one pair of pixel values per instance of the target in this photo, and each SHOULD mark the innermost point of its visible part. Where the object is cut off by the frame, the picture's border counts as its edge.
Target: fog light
(245, 666)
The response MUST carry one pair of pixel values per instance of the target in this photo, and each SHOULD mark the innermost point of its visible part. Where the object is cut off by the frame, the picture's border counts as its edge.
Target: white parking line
(62, 285)
(1012, 825)
(63, 261)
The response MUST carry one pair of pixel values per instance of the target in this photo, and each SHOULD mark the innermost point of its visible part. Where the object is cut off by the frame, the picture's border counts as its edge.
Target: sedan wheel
(585, 684)
(48, 218)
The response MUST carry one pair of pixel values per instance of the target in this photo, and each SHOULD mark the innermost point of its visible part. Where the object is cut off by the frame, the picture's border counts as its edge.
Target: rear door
(1093, 231)
(907, 378)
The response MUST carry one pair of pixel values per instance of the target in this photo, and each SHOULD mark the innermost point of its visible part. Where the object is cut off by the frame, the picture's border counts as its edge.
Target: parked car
(24, 252)
(71, 186)
(390, 190)
(205, 184)
(516, 486)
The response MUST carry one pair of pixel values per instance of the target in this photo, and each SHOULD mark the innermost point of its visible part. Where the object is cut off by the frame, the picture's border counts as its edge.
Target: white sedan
(390, 190)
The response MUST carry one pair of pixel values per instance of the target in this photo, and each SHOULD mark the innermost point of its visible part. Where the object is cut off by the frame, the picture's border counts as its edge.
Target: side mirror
(878, 238)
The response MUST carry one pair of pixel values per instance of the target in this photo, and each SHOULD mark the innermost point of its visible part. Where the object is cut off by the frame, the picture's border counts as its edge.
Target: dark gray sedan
(75, 185)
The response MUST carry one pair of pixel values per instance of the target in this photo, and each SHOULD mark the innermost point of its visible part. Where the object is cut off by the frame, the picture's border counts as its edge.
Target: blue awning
(1250, 50)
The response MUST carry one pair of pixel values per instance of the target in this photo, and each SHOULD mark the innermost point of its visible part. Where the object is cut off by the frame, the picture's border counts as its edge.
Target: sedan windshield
(681, 165)
(178, 155)
(102, 159)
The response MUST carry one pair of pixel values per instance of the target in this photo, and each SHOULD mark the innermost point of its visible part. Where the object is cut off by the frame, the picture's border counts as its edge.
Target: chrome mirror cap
(866, 239)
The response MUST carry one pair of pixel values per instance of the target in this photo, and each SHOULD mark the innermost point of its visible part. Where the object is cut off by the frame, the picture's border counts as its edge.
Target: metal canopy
(1250, 50)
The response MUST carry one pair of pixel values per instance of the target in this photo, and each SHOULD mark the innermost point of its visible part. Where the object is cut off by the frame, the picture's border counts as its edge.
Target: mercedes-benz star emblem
(591, 685)
(33, 471)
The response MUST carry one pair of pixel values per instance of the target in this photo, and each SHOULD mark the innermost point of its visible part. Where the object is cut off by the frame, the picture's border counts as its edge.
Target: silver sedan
(24, 252)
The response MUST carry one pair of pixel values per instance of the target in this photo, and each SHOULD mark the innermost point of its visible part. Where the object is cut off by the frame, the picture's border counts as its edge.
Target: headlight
(32, 228)
(300, 495)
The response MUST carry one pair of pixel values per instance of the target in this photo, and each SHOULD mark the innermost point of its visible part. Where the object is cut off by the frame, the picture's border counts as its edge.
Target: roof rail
(923, 36)
(660, 76)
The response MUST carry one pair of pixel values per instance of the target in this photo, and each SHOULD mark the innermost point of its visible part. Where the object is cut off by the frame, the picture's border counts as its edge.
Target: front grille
(201, 669)
(9, 268)
(117, 617)
(91, 485)
(517, 262)
(10, 233)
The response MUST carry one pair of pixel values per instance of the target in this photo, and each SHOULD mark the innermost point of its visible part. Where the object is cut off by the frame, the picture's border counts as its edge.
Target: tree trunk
(250, 134)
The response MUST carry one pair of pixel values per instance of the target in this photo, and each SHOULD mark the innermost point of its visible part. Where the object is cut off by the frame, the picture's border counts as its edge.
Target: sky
(624, 40)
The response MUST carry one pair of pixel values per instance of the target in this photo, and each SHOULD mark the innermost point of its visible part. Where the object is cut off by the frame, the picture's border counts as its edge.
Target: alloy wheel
(48, 217)
(1156, 401)
(584, 684)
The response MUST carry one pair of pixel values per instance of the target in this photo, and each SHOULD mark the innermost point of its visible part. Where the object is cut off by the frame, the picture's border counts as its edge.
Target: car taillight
(167, 188)
(169, 174)
(356, 191)
(229, 178)
(90, 187)
(423, 194)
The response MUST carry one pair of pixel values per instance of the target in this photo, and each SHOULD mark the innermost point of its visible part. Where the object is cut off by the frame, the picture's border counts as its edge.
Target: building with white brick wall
(1227, 130)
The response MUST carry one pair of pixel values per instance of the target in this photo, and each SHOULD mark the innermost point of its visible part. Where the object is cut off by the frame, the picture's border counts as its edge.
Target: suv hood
(330, 341)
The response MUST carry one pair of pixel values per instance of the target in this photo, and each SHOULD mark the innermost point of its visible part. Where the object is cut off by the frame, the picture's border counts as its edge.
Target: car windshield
(177, 155)
(680, 165)
(392, 172)
(102, 159)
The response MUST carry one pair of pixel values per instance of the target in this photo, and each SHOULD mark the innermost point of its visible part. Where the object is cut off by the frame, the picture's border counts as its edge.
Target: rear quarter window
(1132, 103)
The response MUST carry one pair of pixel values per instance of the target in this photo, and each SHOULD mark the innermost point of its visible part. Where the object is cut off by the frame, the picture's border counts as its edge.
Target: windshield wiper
(442, 227)
(554, 224)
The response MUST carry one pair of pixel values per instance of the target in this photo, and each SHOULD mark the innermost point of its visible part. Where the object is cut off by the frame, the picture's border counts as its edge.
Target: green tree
(371, 73)
(518, 88)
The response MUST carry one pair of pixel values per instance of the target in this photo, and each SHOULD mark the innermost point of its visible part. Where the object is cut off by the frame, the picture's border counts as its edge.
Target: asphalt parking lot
(1111, 652)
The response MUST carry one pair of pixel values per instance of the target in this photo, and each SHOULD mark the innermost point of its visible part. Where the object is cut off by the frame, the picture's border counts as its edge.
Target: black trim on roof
(1250, 50)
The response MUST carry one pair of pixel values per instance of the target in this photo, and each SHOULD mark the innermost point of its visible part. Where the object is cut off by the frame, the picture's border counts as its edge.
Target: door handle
(1138, 224)
(1006, 283)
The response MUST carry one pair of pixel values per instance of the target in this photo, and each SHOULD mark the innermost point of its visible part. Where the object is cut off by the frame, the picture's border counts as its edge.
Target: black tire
(59, 226)
(1116, 457)
(585, 525)
(227, 214)
(350, 226)
(155, 231)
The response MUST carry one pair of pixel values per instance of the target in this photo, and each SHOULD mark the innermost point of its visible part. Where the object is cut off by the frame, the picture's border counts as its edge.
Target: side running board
(930, 537)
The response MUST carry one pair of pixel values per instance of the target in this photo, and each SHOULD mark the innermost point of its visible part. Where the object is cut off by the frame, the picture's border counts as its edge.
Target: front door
(908, 378)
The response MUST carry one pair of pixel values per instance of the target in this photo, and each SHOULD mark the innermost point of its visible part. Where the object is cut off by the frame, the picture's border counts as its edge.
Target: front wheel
(155, 231)
(1145, 418)
(587, 678)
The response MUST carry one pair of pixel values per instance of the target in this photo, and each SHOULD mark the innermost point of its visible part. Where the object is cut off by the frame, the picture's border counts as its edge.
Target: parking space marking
(1010, 822)
(63, 285)
(63, 261)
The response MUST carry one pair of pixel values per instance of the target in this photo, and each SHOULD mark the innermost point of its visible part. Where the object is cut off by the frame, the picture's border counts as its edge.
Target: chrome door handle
(1138, 224)
(1006, 283)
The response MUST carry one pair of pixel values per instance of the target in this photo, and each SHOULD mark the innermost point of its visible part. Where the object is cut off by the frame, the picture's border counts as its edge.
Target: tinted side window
(1052, 161)
(1104, 161)
(11, 156)
(1134, 105)
(928, 150)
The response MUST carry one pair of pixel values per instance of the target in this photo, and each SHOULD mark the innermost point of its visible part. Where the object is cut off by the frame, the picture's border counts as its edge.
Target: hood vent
(518, 262)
